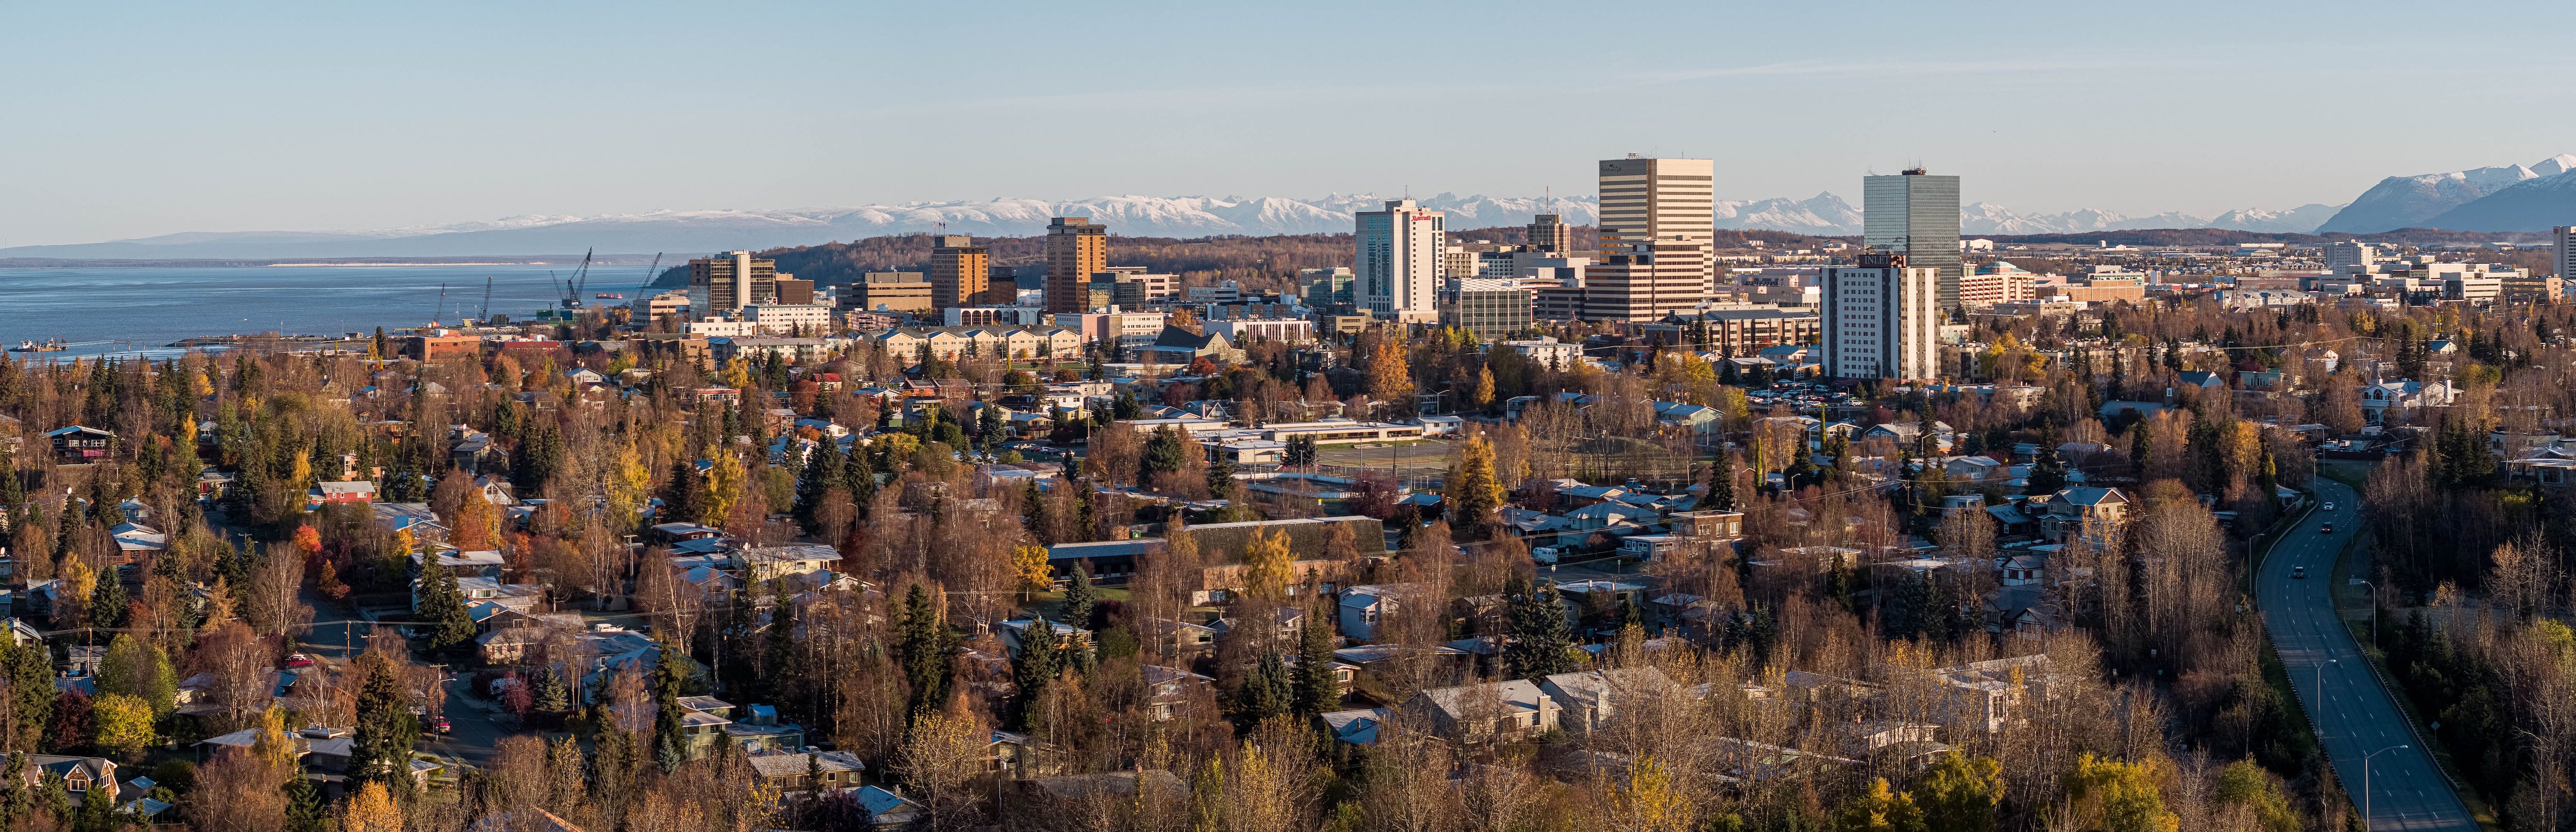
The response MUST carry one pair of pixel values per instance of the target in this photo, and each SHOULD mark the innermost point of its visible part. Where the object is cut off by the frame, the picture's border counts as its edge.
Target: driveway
(2353, 714)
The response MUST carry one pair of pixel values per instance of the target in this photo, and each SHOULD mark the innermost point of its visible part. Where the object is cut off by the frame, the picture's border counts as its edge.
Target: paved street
(2356, 716)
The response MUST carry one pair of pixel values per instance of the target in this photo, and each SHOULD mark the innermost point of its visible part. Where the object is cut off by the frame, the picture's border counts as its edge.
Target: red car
(2328, 529)
(441, 725)
(298, 660)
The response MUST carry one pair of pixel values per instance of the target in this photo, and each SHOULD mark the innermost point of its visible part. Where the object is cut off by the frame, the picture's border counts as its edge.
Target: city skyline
(439, 115)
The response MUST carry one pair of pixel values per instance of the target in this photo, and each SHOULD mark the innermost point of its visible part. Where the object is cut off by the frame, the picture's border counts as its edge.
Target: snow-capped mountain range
(2437, 200)
(2511, 198)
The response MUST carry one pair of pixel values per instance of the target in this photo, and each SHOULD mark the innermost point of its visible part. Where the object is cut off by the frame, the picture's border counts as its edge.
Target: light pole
(2365, 784)
(2374, 611)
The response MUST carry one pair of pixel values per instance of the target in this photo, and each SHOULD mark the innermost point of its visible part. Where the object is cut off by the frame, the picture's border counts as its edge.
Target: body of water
(130, 310)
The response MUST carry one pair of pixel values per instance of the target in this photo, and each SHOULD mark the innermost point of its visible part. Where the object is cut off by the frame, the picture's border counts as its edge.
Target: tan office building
(960, 270)
(1076, 249)
(731, 282)
(1657, 221)
(1548, 234)
(888, 292)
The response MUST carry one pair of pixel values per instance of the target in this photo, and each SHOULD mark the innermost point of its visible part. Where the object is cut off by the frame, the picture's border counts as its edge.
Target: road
(2356, 715)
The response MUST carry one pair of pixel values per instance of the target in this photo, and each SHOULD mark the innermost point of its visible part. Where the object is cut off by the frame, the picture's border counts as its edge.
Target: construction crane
(650, 272)
(486, 313)
(441, 310)
(572, 285)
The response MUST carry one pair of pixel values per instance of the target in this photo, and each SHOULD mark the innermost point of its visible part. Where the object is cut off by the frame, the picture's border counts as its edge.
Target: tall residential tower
(731, 282)
(960, 270)
(1657, 218)
(1881, 319)
(1076, 249)
(1402, 251)
(1915, 214)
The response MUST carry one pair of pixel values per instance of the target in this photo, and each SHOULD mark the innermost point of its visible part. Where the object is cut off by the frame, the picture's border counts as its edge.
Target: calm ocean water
(129, 310)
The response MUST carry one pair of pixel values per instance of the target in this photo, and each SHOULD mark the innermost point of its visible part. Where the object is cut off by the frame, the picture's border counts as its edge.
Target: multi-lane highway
(2353, 715)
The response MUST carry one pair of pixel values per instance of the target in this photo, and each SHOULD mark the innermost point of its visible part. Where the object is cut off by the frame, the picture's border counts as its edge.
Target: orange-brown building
(1076, 249)
(960, 270)
(436, 348)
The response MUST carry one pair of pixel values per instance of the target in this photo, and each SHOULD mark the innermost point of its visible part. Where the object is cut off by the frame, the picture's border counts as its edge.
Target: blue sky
(133, 120)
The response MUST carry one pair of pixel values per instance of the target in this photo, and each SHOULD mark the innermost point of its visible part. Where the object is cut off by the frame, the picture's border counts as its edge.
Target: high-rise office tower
(1076, 249)
(1402, 254)
(1548, 233)
(1882, 319)
(1657, 218)
(2341, 255)
(2565, 255)
(731, 282)
(960, 270)
(1915, 214)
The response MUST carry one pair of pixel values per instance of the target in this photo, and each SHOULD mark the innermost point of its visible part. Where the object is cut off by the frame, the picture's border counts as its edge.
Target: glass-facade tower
(1915, 214)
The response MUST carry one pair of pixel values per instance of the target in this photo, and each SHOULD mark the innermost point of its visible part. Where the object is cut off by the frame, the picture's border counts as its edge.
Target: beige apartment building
(1657, 221)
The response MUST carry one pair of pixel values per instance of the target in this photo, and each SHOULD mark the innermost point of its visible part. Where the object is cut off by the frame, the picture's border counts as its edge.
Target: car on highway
(294, 660)
(2327, 529)
(2329, 506)
(2298, 571)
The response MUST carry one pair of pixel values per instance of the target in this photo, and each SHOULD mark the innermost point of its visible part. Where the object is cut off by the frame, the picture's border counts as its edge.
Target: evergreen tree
(305, 810)
(1721, 484)
(1317, 690)
(1542, 642)
(991, 429)
(2142, 445)
(553, 694)
(381, 751)
(684, 498)
(1165, 452)
(1035, 668)
(820, 473)
(107, 599)
(923, 648)
(2047, 472)
(779, 666)
(31, 689)
(1267, 691)
(859, 477)
(670, 740)
(1080, 596)
(442, 601)
(1220, 478)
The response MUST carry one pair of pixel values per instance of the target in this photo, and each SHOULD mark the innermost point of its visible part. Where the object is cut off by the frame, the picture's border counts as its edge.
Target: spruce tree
(1035, 668)
(1542, 642)
(778, 664)
(107, 598)
(1721, 484)
(1080, 596)
(682, 499)
(1033, 514)
(381, 751)
(1267, 691)
(441, 601)
(820, 474)
(305, 811)
(670, 740)
(923, 649)
(1317, 690)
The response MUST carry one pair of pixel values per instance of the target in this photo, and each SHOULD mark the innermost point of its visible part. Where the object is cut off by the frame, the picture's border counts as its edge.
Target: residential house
(360, 492)
(79, 445)
(2403, 397)
(761, 563)
(808, 771)
(1590, 698)
(1015, 631)
(2082, 512)
(1495, 711)
(888, 811)
(1170, 690)
(1358, 727)
(83, 777)
(1363, 608)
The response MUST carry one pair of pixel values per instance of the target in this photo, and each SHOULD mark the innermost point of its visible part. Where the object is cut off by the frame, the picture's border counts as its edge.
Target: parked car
(294, 660)
(441, 725)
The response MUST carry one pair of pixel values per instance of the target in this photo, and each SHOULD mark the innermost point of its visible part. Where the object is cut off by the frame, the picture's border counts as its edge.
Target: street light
(2365, 784)
(2319, 716)
(2374, 611)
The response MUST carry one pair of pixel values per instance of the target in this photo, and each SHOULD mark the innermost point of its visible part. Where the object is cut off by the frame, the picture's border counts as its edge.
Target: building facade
(1325, 288)
(731, 282)
(1076, 249)
(888, 292)
(1548, 234)
(1491, 308)
(1402, 254)
(960, 270)
(1881, 319)
(1915, 214)
(1657, 221)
